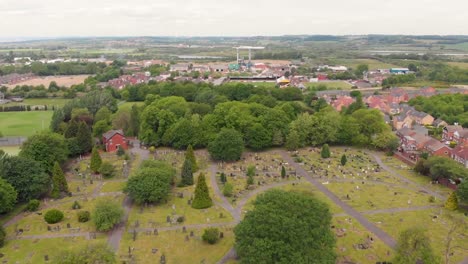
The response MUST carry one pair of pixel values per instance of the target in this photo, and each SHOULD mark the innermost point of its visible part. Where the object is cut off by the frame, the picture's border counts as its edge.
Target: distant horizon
(35, 38)
(55, 18)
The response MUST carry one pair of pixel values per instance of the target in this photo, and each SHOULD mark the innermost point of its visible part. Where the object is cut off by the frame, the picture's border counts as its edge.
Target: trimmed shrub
(76, 205)
(211, 235)
(83, 216)
(2, 236)
(53, 216)
(33, 205)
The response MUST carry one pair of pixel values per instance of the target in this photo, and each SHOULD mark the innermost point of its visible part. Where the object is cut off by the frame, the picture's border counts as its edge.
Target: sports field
(24, 123)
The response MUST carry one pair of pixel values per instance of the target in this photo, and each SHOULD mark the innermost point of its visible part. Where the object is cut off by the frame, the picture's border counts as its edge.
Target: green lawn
(175, 247)
(128, 105)
(56, 102)
(436, 228)
(24, 123)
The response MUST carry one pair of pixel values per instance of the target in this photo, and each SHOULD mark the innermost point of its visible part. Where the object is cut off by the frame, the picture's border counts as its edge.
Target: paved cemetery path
(386, 238)
(465, 261)
(393, 210)
(399, 176)
(116, 235)
(224, 202)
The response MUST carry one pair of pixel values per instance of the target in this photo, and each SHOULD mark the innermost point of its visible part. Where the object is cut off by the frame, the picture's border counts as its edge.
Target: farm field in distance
(64, 80)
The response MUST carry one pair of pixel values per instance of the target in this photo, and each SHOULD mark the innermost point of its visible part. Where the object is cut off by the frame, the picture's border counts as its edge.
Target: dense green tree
(134, 128)
(211, 235)
(84, 138)
(227, 146)
(96, 160)
(103, 114)
(53, 216)
(293, 140)
(100, 128)
(283, 172)
(150, 185)
(46, 148)
(304, 235)
(343, 160)
(228, 189)
(202, 197)
(106, 215)
(190, 155)
(59, 183)
(441, 167)
(57, 119)
(72, 129)
(186, 173)
(89, 254)
(257, 137)
(27, 176)
(325, 152)
(360, 69)
(462, 191)
(107, 170)
(8, 196)
(414, 246)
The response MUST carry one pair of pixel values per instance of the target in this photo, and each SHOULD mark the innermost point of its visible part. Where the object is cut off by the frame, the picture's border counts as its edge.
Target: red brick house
(113, 139)
(435, 148)
(460, 155)
(449, 131)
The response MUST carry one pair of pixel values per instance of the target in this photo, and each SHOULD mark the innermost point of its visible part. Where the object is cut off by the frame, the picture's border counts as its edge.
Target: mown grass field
(24, 123)
(56, 102)
(373, 64)
(331, 85)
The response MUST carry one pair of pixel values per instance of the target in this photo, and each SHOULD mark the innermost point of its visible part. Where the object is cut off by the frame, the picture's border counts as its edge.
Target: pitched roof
(461, 151)
(434, 145)
(109, 134)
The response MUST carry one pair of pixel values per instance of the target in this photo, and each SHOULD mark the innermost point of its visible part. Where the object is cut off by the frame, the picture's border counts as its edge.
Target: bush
(211, 235)
(180, 219)
(83, 216)
(107, 170)
(107, 214)
(53, 216)
(228, 189)
(432, 199)
(76, 205)
(33, 205)
(2, 236)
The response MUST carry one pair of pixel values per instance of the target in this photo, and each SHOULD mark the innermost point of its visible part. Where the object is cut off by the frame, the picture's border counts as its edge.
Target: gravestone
(46, 258)
(163, 259)
(191, 233)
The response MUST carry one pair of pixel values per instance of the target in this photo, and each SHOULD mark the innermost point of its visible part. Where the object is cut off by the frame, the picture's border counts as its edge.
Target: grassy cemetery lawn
(34, 223)
(267, 171)
(11, 150)
(80, 168)
(35, 250)
(436, 224)
(370, 196)
(156, 216)
(24, 124)
(113, 186)
(177, 247)
(356, 244)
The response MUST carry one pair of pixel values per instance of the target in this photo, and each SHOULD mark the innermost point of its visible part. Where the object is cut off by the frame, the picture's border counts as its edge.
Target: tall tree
(186, 173)
(150, 185)
(414, 246)
(343, 160)
(202, 197)
(293, 140)
(227, 146)
(103, 114)
(84, 138)
(190, 155)
(96, 160)
(283, 172)
(106, 215)
(72, 129)
(59, 183)
(452, 202)
(46, 148)
(304, 235)
(8, 196)
(27, 176)
(134, 120)
(325, 153)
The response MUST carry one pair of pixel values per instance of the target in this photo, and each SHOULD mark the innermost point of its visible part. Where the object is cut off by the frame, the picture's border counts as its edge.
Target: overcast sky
(56, 18)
